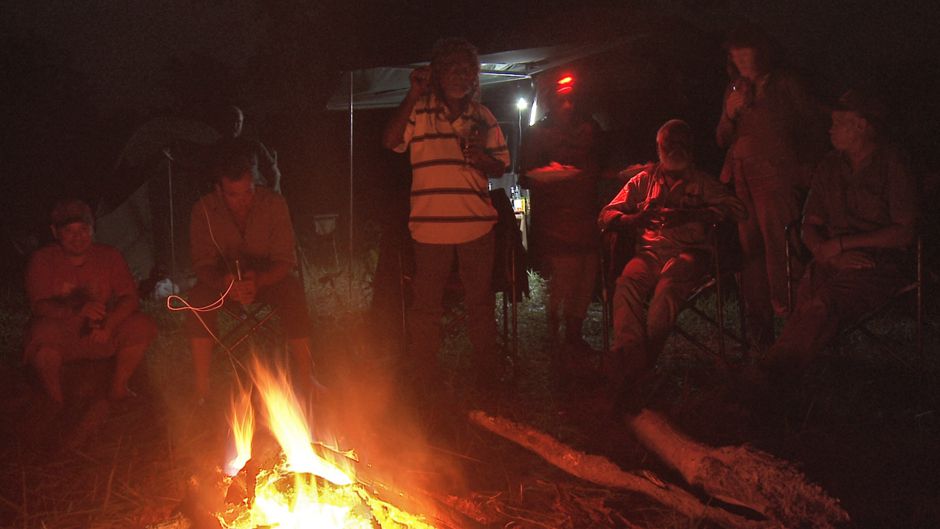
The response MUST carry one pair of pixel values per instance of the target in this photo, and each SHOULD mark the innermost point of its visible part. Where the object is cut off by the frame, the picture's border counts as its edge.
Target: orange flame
(286, 420)
(288, 496)
(242, 419)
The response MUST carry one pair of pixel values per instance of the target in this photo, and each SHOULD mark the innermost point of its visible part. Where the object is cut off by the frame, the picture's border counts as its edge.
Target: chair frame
(250, 320)
(916, 285)
(257, 316)
(713, 280)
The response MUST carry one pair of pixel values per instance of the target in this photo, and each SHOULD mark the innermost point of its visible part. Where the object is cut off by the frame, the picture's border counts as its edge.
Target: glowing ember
(290, 494)
(290, 500)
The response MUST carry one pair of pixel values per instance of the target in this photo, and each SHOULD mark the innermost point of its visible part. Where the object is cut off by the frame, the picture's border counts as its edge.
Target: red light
(564, 85)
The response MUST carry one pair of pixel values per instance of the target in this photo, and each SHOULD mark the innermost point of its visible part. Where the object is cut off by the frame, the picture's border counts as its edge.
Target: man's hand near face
(420, 79)
(735, 103)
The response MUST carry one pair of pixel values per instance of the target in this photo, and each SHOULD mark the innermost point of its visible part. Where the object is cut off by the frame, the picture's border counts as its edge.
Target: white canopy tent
(386, 86)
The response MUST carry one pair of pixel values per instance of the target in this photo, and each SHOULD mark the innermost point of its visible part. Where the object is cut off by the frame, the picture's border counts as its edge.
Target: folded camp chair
(617, 248)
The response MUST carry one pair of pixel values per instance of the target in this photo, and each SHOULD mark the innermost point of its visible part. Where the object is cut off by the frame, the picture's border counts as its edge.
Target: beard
(675, 160)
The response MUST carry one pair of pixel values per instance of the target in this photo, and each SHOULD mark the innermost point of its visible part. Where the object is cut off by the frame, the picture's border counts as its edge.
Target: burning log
(283, 477)
(741, 475)
(221, 502)
(242, 486)
(736, 475)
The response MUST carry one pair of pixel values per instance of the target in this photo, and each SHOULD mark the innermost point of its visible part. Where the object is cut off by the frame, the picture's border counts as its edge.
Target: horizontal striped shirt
(450, 202)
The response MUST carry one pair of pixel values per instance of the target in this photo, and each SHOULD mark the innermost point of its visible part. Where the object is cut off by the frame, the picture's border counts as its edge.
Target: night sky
(122, 46)
(80, 77)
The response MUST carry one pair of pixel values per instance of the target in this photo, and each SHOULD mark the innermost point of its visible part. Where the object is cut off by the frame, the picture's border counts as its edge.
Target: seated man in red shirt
(241, 235)
(84, 304)
(669, 205)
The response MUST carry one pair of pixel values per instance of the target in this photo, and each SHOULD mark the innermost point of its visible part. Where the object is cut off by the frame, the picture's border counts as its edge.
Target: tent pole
(169, 180)
(351, 182)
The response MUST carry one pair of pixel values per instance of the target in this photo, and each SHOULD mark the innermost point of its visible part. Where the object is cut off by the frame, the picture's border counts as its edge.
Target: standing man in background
(234, 143)
(774, 133)
(561, 166)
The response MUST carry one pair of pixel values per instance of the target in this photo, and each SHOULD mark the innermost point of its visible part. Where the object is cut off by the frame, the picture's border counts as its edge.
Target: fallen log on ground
(602, 471)
(741, 475)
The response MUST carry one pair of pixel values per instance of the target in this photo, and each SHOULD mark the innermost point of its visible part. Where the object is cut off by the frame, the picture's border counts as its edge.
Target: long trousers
(433, 265)
(828, 299)
(572, 277)
(665, 277)
(773, 201)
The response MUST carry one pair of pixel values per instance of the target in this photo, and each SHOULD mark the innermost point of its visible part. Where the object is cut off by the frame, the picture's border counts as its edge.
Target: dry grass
(865, 426)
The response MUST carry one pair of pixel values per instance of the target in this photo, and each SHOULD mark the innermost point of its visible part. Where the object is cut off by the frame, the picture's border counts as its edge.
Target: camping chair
(250, 322)
(911, 290)
(257, 321)
(617, 249)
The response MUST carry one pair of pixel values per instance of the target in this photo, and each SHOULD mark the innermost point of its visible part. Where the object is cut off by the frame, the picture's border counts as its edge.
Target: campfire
(282, 473)
(306, 483)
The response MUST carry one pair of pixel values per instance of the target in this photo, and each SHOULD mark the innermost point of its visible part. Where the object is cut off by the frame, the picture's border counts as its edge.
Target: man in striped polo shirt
(456, 144)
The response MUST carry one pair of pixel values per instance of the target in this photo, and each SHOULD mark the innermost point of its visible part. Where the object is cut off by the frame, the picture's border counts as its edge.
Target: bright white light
(534, 114)
(522, 104)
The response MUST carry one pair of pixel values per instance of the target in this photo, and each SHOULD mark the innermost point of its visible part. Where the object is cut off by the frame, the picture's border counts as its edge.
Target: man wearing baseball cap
(859, 219)
(83, 303)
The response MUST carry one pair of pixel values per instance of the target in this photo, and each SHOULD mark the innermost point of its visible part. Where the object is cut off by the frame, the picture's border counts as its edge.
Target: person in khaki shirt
(774, 133)
(241, 236)
(669, 205)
